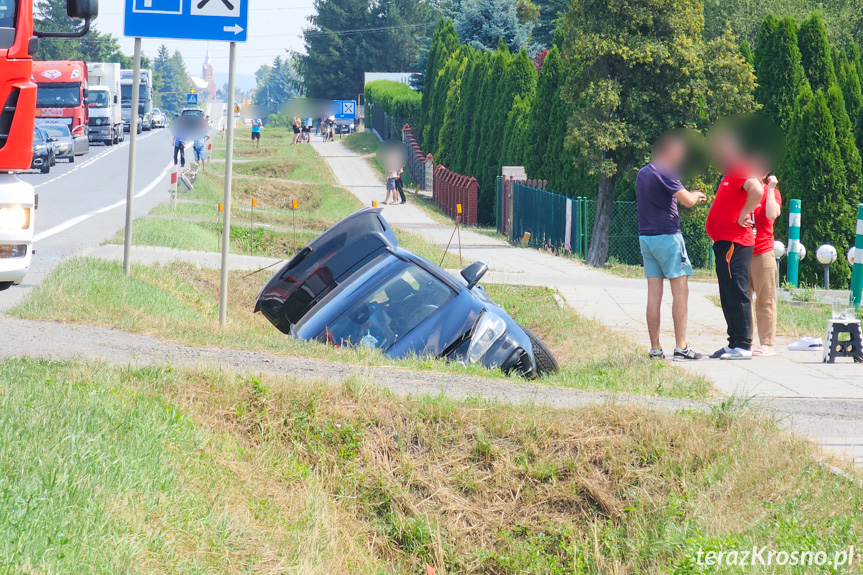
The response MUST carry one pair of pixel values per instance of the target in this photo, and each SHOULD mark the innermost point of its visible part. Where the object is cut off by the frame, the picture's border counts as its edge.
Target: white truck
(145, 99)
(106, 114)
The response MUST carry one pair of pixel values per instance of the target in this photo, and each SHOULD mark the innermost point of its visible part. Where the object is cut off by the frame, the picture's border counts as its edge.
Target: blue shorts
(664, 256)
(200, 155)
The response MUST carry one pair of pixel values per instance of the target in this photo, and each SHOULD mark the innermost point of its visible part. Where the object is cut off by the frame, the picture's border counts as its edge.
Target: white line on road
(58, 229)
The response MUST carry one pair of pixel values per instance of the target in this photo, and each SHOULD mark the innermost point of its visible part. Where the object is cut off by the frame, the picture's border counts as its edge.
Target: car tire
(5, 285)
(545, 361)
(46, 169)
(72, 159)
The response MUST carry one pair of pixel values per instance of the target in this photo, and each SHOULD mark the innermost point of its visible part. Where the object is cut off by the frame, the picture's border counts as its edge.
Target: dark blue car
(354, 286)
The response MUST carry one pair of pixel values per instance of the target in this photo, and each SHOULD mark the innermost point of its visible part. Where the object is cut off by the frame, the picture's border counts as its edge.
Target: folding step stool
(834, 348)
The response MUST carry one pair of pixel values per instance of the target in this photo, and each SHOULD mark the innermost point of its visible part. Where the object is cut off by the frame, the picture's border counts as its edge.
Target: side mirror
(473, 273)
(115, 98)
(82, 9)
(86, 94)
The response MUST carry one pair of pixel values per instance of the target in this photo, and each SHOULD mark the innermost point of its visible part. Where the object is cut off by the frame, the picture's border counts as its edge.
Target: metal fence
(388, 127)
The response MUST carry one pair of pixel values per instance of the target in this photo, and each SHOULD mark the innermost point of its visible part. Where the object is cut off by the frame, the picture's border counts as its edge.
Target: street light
(826, 255)
(801, 251)
(778, 252)
(850, 255)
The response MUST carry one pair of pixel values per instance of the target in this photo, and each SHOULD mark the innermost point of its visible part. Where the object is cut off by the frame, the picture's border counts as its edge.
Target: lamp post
(826, 255)
(778, 252)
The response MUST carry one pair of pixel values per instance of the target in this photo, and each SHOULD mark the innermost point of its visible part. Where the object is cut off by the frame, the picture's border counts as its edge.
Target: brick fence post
(472, 202)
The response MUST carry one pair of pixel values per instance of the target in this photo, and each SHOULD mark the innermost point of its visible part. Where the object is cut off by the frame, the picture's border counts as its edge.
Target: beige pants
(762, 286)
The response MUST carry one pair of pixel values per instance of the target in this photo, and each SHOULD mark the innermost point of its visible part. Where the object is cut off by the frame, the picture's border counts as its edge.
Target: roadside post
(857, 270)
(252, 227)
(133, 151)
(175, 174)
(294, 206)
(182, 20)
(792, 274)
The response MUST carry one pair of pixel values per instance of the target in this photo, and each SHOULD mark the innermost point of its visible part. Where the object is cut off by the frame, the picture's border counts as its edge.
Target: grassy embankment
(159, 471)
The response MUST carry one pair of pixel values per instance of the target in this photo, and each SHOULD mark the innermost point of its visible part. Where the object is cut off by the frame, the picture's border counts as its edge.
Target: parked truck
(61, 98)
(17, 119)
(145, 99)
(106, 115)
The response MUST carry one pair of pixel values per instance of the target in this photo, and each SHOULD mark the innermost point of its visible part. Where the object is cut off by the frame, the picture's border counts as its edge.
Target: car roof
(57, 127)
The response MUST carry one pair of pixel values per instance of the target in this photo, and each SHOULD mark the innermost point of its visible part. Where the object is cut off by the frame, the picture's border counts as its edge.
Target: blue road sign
(346, 109)
(216, 20)
(192, 99)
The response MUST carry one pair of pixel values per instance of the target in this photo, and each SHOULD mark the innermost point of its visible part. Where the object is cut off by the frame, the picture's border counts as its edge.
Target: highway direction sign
(215, 20)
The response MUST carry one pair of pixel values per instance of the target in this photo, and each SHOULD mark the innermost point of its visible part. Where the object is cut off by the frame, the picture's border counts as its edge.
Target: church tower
(208, 75)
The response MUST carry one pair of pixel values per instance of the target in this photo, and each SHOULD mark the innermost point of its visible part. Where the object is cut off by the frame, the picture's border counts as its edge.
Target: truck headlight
(14, 218)
(489, 328)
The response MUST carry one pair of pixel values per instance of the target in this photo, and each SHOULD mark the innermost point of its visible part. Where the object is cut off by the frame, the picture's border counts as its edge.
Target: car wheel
(544, 359)
(72, 159)
(5, 285)
(46, 168)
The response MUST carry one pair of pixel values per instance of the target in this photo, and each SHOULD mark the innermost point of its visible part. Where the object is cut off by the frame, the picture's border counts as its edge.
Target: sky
(274, 25)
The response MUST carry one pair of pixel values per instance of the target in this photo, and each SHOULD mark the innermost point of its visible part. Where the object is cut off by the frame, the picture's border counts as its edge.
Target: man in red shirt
(762, 271)
(729, 225)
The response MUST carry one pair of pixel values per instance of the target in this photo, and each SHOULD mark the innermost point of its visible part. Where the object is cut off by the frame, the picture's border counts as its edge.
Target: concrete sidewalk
(620, 303)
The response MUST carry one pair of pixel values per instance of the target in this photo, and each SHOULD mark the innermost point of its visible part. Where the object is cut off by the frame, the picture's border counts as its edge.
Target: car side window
(390, 311)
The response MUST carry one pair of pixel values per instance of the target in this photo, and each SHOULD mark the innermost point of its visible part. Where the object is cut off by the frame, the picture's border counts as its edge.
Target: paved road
(83, 204)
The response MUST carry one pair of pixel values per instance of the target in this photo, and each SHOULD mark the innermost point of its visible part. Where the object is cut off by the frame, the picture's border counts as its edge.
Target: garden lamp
(826, 255)
(778, 252)
(850, 255)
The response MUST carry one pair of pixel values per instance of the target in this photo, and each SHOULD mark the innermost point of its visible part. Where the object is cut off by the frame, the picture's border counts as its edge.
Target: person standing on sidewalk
(179, 151)
(729, 225)
(257, 124)
(400, 186)
(658, 192)
(762, 270)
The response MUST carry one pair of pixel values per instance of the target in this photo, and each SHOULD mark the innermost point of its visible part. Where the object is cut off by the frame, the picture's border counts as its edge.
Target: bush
(397, 100)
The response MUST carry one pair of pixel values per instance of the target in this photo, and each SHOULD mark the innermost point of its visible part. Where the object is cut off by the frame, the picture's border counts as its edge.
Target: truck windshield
(126, 93)
(7, 23)
(99, 99)
(58, 95)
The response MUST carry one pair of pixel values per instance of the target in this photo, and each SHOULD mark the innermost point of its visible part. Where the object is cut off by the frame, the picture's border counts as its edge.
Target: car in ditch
(354, 286)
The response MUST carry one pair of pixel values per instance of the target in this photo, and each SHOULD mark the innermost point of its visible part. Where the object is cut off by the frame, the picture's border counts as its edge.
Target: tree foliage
(482, 23)
(815, 53)
(778, 69)
(50, 16)
(171, 95)
(276, 84)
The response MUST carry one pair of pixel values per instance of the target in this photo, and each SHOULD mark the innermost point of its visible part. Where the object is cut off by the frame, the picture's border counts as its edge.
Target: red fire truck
(61, 98)
(18, 42)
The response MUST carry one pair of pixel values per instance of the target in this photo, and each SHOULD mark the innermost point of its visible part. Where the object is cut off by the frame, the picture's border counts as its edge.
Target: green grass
(180, 303)
(798, 318)
(162, 471)
(363, 143)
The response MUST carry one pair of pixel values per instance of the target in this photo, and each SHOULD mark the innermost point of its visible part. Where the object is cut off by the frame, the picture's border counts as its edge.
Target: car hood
(332, 258)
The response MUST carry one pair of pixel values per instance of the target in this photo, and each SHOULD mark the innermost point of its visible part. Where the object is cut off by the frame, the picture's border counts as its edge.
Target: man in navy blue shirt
(657, 193)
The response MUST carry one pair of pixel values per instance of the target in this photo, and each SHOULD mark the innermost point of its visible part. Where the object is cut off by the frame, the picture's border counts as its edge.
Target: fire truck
(61, 98)
(18, 42)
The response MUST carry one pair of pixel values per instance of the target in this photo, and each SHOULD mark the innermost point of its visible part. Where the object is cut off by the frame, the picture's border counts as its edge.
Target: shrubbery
(397, 100)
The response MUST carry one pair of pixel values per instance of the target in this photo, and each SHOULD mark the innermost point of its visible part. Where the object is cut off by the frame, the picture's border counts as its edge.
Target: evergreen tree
(746, 52)
(438, 110)
(540, 122)
(514, 149)
(443, 46)
(482, 23)
(815, 53)
(813, 172)
(634, 71)
(847, 145)
(465, 116)
(778, 69)
(550, 13)
(448, 140)
(729, 77)
(849, 81)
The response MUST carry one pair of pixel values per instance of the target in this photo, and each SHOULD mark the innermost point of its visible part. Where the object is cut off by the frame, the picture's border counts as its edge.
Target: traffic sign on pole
(346, 109)
(192, 99)
(214, 20)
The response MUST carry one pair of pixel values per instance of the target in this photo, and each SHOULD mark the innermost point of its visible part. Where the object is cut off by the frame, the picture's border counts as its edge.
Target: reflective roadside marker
(857, 270)
(374, 204)
(221, 208)
(793, 243)
(526, 238)
(294, 205)
(458, 208)
(254, 202)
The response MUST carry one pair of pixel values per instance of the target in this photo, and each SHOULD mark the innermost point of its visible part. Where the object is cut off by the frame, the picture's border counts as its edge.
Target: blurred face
(671, 152)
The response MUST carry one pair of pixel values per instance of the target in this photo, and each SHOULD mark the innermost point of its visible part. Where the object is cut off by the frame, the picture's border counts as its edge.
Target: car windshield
(57, 131)
(7, 13)
(391, 311)
(99, 99)
(58, 95)
(126, 93)
(38, 136)
(193, 113)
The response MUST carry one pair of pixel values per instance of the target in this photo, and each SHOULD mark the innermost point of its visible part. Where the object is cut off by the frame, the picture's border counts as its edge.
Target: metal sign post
(229, 173)
(133, 149)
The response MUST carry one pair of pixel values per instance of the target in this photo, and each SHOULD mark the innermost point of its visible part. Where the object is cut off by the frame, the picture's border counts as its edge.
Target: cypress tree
(539, 124)
(814, 173)
(437, 111)
(778, 69)
(444, 44)
(746, 52)
(448, 137)
(849, 81)
(515, 133)
(845, 140)
(815, 53)
(471, 84)
(482, 139)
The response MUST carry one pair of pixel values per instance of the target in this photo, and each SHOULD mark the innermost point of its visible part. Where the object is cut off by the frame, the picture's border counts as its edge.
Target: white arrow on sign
(236, 29)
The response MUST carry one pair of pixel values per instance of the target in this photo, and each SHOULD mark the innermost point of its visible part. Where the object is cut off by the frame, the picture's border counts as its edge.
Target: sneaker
(806, 344)
(720, 352)
(656, 354)
(736, 354)
(686, 354)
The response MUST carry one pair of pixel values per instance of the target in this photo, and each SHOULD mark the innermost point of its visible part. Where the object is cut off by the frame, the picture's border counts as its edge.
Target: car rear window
(389, 312)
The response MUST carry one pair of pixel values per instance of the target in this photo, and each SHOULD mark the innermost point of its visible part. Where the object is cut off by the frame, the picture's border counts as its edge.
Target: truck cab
(61, 98)
(106, 119)
(145, 99)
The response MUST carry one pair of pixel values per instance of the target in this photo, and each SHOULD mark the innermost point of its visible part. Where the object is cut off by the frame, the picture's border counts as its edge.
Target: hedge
(397, 100)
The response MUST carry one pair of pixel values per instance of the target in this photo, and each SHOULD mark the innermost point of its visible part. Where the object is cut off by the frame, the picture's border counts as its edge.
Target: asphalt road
(83, 204)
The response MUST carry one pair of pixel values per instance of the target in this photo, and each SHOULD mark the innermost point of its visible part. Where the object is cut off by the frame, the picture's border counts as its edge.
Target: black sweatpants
(400, 188)
(180, 150)
(733, 279)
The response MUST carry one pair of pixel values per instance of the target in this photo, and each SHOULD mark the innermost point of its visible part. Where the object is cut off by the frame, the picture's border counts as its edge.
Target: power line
(364, 30)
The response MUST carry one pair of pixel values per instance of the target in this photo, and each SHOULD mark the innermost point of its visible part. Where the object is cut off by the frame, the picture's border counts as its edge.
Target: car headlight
(14, 218)
(489, 328)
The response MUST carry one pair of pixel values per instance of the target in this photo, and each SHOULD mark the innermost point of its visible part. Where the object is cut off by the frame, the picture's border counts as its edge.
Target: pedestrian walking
(257, 124)
(658, 192)
(391, 187)
(200, 148)
(400, 188)
(179, 151)
(296, 125)
(729, 225)
(762, 270)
